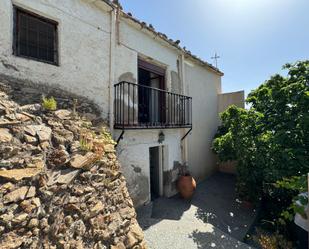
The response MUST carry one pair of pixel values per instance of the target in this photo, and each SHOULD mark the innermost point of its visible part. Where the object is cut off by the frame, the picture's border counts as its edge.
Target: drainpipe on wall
(118, 25)
(111, 70)
(184, 144)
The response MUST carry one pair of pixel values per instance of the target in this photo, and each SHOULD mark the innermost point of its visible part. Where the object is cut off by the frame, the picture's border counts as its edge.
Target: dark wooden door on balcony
(151, 102)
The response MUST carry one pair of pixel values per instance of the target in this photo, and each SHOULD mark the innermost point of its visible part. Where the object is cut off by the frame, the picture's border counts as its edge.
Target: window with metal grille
(35, 37)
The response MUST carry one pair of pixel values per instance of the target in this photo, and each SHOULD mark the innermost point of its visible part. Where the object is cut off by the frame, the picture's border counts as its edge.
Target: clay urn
(186, 186)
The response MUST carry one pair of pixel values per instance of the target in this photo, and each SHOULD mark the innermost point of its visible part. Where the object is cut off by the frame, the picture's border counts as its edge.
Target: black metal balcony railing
(140, 107)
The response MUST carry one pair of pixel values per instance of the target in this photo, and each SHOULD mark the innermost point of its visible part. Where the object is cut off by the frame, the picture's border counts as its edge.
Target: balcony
(143, 107)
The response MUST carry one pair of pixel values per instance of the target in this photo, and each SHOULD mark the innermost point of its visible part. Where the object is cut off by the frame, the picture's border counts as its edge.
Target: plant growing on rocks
(49, 104)
(90, 142)
(85, 144)
(106, 136)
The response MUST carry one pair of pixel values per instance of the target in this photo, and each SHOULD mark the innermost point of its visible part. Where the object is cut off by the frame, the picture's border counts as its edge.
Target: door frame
(161, 164)
(161, 159)
(161, 72)
(152, 68)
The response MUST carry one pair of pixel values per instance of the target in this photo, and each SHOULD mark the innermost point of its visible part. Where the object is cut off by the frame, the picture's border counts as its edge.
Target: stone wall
(60, 183)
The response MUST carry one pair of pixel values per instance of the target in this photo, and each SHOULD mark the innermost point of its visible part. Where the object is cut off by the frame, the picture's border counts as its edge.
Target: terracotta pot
(186, 186)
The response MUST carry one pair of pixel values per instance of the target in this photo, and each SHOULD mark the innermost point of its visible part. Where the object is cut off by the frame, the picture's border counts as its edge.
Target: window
(35, 37)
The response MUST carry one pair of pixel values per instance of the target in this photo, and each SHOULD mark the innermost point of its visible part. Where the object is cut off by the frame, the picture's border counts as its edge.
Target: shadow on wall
(35, 91)
(138, 185)
(139, 192)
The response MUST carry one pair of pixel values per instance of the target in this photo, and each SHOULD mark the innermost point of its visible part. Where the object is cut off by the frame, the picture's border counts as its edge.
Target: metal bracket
(119, 138)
(186, 134)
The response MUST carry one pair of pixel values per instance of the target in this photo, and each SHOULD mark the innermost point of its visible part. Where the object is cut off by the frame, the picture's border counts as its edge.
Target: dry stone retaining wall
(60, 183)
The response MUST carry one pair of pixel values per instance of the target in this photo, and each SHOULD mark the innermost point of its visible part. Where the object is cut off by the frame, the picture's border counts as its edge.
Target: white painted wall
(84, 33)
(151, 47)
(84, 43)
(133, 153)
(232, 98)
(133, 150)
(203, 86)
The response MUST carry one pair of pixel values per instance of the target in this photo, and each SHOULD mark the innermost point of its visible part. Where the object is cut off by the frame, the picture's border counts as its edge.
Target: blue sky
(253, 37)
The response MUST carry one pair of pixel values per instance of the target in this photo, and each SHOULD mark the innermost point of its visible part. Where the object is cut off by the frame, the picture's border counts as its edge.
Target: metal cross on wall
(215, 58)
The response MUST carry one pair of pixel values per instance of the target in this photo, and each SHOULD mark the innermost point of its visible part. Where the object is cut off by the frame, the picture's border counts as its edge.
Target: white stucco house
(161, 101)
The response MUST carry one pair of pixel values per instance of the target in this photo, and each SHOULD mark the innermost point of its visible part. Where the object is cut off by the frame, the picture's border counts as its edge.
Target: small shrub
(295, 185)
(272, 241)
(85, 145)
(86, 140)
(89, 141)
(86, 124)
(49, 104)
(106, 136)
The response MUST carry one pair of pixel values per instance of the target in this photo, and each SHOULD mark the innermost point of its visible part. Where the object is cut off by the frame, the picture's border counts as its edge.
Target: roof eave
(164, 38)
(172, 43)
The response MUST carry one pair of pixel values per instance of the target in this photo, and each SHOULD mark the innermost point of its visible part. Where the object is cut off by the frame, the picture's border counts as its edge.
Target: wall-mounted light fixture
(161, 137)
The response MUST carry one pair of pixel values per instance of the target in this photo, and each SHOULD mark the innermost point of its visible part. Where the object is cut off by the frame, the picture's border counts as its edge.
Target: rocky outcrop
(60, 184)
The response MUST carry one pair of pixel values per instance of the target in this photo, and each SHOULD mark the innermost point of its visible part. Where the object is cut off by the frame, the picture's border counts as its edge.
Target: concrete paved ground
(214, 218)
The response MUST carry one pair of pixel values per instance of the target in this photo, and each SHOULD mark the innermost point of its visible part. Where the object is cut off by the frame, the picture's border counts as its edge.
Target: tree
(270, 140)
